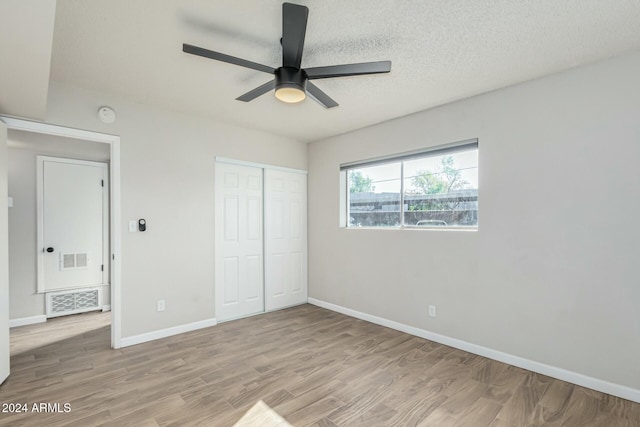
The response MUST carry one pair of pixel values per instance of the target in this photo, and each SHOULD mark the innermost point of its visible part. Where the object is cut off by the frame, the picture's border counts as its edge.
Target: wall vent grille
(73, 301)
(74, 261)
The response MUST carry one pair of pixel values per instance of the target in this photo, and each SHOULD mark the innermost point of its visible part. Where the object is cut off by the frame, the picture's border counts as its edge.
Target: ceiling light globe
(290, 95)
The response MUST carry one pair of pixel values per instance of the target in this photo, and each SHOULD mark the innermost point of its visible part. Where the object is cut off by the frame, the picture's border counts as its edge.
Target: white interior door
(285, 239)
(4, 258)
(239, 253)
(73, 224)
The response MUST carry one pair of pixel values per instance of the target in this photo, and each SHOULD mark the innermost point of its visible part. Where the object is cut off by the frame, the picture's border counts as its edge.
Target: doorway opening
(80, 276)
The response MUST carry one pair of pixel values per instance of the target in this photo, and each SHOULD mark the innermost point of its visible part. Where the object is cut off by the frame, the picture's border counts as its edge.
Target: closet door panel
(239, 277)
(285, 239)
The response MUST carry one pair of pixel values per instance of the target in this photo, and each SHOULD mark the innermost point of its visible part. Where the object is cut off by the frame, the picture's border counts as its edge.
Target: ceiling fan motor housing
(291, 77)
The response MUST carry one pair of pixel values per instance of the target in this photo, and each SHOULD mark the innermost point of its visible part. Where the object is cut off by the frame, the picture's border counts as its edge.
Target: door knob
(49, 249)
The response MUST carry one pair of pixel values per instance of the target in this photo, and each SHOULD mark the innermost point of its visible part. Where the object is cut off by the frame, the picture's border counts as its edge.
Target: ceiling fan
(292, 83)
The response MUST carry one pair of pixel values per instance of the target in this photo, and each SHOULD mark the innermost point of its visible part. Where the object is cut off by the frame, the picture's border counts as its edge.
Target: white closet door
(72, 214)
(239, 241)
(285, 239)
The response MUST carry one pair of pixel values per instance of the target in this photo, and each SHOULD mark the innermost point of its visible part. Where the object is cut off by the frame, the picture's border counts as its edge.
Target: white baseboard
(106, 307)
(541, 368)
(163, 333)
(27, 320)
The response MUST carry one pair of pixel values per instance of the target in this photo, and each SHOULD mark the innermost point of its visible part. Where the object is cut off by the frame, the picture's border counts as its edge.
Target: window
(429, 188)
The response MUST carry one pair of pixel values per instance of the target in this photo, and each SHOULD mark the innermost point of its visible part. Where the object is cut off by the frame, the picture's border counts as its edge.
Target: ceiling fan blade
(195, 50)
(260, 90)
(348, 70)
(294, 27)
(319, 96)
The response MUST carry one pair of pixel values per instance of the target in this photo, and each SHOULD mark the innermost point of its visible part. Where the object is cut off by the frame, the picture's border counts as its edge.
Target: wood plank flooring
(312, 366)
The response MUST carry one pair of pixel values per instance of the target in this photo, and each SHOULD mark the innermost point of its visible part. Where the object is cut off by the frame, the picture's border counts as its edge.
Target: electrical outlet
(432, 311)
(160, 305)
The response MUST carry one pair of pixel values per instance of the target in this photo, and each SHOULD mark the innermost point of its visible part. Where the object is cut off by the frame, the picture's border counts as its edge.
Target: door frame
(5, 340)
(114, 205)
(40, 213)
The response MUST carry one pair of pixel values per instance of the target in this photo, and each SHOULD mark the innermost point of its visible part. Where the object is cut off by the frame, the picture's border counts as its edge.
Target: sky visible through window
(386, 178)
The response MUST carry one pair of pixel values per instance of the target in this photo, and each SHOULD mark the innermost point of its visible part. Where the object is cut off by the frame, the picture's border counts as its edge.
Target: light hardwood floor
(312, 366)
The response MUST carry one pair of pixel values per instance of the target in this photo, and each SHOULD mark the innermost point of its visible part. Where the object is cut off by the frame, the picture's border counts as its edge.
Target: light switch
(10, 202)
(133, 225)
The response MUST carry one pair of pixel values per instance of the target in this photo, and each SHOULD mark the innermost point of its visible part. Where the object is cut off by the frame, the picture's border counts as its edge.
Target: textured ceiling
(441, 50)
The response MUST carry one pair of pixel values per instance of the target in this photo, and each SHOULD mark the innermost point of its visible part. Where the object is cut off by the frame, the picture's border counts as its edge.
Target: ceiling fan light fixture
(290, 85)
(290, 95)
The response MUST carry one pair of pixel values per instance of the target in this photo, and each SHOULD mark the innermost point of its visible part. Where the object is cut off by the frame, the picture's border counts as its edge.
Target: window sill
(408, 227)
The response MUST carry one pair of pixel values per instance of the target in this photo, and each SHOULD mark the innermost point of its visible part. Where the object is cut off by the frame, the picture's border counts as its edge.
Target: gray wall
(22, 152)
(167, 171)
(551, 274)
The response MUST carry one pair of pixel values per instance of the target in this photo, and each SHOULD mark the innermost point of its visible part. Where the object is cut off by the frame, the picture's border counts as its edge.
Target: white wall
(25, 55)
(167, 171)
(551, 274)
(22, 152)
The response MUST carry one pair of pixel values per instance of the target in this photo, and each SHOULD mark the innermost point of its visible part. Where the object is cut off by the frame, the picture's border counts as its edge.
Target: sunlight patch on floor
(261, 415)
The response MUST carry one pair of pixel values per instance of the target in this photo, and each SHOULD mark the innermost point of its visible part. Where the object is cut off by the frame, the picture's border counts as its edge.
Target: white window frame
(399, 158)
